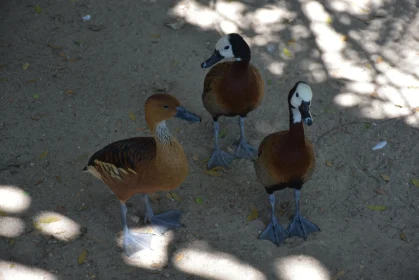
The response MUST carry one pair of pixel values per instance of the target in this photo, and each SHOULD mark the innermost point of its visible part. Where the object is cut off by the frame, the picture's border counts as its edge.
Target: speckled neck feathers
(162, 134)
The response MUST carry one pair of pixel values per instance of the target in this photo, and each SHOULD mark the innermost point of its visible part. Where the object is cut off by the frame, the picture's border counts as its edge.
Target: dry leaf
(385, 177)
(415, 182)
(253, 214)
(31, 81)
(344, 38)
(82, 257)
(374, 94)
(178, 257)
(328, 163)
(12, 241)
(176, 196)
(368, 66)
(62, 54)
(55, 47)
(338, 274)
(35, 96)
(377, 207)
(329, 20)
(403, 236)
(169, 197)
(155, 35)
(380, 191)
(70, 92)
(287, 52)
(38, 9)
(222, 134)
(156, 265)
(132, 116)
(214, 172)
(379, 59)
(400, 106)
(44, 154)
(49, 220)
(416, 109)
(39, 181)
(12, 265)
(199, 200)
(291, 42)
(25, 65)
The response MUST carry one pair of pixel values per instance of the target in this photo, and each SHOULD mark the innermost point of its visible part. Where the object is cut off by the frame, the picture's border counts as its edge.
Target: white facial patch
(224, 47)
(302, 93)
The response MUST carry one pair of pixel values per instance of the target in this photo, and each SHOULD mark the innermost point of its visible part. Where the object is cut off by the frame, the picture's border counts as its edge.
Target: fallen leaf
(70, 92)
(377, 207)
(176, 196)
(338, 274)
(344, 38)
(329, 20)
(400, 106)
(62, 54)
(39, 181)
(195, 157)
(44, 154)
(291, 42)
(417, 109)
(253, 214)
(78, 42)
(367, 126)
(176, 25)
(156, 265)
(38, 9)
(169, 197)
(374, 94)
(155, 35)
(379, 59)
(37, 226)
(58, 179)
(199, 200)
(178, 257)
(368, 66)
(31, 81)
(12, 241)
(82, 257)
(222, 134)
(214, 172)
(49, 220)
(269, 82)
(380, 191)
(35, 96)
(403, 236)
(177, 130)
(25, 65)
(3, 214)
(287, 52)
(385, 177)
(132, 116)
(415, 182)
(55, 47)
(12, 265)
(328, 163)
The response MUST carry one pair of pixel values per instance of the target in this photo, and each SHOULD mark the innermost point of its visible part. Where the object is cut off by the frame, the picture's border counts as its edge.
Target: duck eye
(226, 47)
(297, 95)
(165, 106)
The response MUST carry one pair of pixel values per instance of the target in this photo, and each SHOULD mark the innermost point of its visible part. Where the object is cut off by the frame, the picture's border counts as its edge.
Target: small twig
(358, 122)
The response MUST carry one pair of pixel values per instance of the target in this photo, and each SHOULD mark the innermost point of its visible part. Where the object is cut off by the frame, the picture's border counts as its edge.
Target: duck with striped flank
(286, 160)
(146, 165)
(231, 88)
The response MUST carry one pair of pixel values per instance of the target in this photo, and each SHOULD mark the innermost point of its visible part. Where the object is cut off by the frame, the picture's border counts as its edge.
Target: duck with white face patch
(286, 160)
(231, 88)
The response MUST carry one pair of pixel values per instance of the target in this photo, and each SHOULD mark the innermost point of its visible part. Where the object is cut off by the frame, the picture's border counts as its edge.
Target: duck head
(162, 106)
(229, 46)
(299, 100)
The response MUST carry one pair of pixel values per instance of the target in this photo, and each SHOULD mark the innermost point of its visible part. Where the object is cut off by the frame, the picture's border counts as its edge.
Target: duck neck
(162, 134)
(240, 66)
(296, 126)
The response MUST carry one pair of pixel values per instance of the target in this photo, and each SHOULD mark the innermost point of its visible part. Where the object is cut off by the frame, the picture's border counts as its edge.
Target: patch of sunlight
(57, 225)
(269, 16)
(301, 268)
(315, 12)
(339, 6)
(404, 98)
(151, 260)
(196, 14)
(348, 99)
(228, 27)
(230, 10)
(364, 88)
(13, 199)
(400, 79)
(299, 31)
(377, 109)
(276, 68)
(327, 38)
(11, 227)
(316, 70)
(341, 68)
(16, 271)
(215, 265)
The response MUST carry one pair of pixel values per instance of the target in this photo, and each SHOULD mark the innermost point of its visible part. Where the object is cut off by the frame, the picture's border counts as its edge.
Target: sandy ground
(70, 87)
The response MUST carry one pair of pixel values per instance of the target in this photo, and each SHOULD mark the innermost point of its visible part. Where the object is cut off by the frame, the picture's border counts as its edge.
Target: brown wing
(121, 158)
